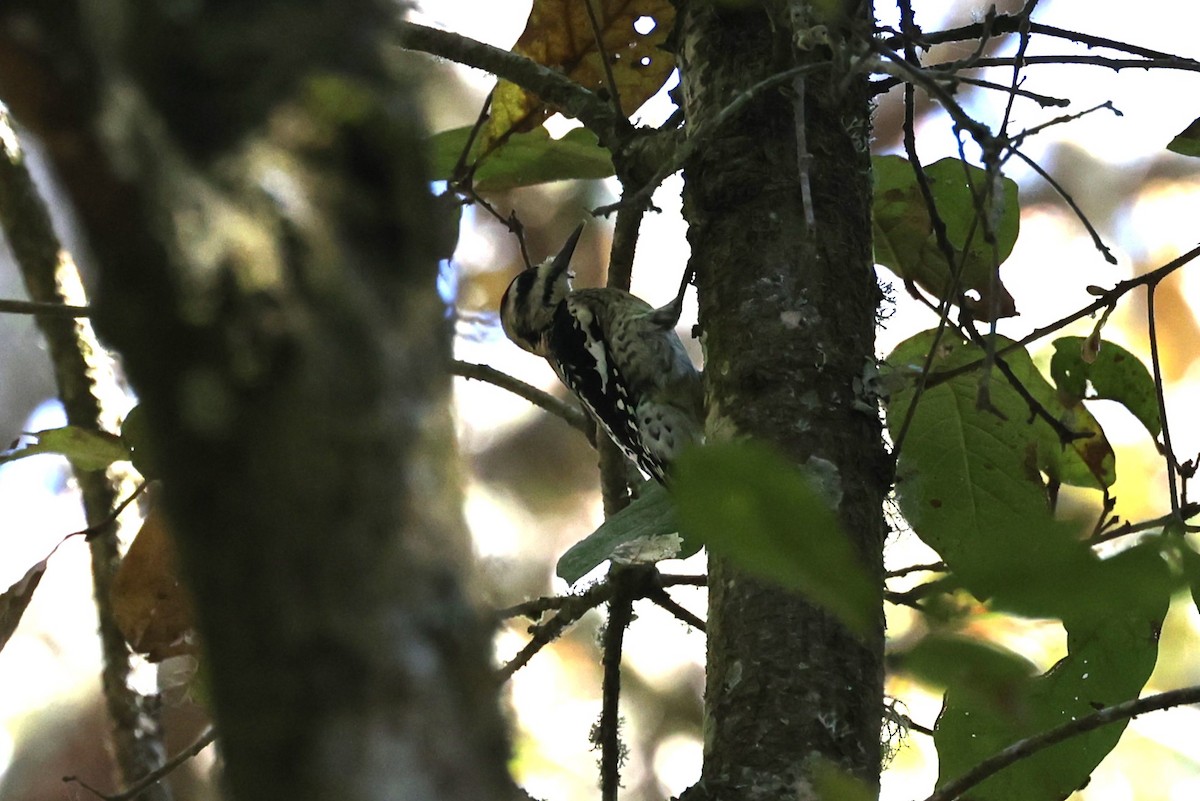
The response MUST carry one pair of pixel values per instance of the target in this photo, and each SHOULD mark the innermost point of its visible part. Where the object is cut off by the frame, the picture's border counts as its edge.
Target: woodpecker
(617, 353)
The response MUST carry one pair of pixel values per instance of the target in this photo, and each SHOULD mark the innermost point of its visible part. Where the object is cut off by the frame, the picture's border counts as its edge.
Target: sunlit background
(532, 491)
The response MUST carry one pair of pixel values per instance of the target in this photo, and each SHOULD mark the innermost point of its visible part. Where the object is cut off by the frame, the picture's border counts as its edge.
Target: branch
(614, 475)
(665, 601)
(628, 581)
(89, 391)
(543, 400)
(1105, 300)
(1186, 512)
(43, 309)
(571, 610)
(1156, 364)
(1011, 23)
(696, 139)
(1039, 742)
(206, 738)
(934, 567)
(550, 85)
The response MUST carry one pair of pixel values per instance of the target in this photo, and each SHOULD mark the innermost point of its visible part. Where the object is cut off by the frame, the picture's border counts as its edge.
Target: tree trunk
(788, 300)
(266, 244)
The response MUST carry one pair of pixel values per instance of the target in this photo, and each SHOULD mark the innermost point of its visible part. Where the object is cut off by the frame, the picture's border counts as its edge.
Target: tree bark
(788, 301)
(251, 182)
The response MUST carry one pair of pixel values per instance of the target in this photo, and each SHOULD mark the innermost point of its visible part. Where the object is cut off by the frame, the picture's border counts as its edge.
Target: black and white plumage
(618, 354)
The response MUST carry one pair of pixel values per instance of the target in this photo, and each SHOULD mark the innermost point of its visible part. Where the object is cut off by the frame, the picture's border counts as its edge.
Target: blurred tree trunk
(788, 300)
(250, 181)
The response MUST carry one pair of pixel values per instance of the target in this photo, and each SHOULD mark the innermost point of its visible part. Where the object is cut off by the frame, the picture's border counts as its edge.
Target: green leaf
(1111, 651)
(1115, 374)
(1191, 572)
(905, 242)
(644, 531)
(525, 159)
(968, 479)
(750, 505)
(1187, 143)
(831, 782)
(993, 676)
(87, 450)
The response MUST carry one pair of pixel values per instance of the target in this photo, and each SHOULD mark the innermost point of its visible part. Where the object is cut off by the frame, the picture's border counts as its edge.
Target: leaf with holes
(1112, 646)
(748, 504)
(525, 159)
(905, 242)
(1112, 372)
(559, 34)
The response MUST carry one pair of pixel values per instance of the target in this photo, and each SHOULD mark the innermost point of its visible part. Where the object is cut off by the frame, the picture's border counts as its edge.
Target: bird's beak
(563, 260)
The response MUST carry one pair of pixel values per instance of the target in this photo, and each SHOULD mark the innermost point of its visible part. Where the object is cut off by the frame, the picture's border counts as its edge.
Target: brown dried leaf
(559, 34)
(15, 600)
(151, 607)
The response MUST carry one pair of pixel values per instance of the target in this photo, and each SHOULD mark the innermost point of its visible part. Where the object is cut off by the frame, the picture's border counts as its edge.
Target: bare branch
(1104, 300)
(1156, 364)
(1186, 512)
(570, 611)
(43, 309)
(543, 400)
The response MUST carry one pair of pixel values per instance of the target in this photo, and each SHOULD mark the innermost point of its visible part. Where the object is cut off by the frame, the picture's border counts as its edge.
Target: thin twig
(206, 738)
(1186, 512)
(104, 525)
(543, 400)
(1070, 201)
(1104, 300)
(511, 222)
(43, 309)
(933, 567)
(1039, 742)
(1011, 23)
(573, 608)
(664, 600)
(614, 94)
(1156, 365)
(1045, 101)
(534, 608)
(882, 85)
(696, 139)
(461, 171)
(938, 226)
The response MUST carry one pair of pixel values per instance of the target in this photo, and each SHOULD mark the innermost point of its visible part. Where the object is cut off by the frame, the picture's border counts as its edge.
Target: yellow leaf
(559, 34)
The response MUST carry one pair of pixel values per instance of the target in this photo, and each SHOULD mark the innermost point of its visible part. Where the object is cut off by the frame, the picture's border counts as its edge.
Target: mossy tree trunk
(788, 301)
(250, 180)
